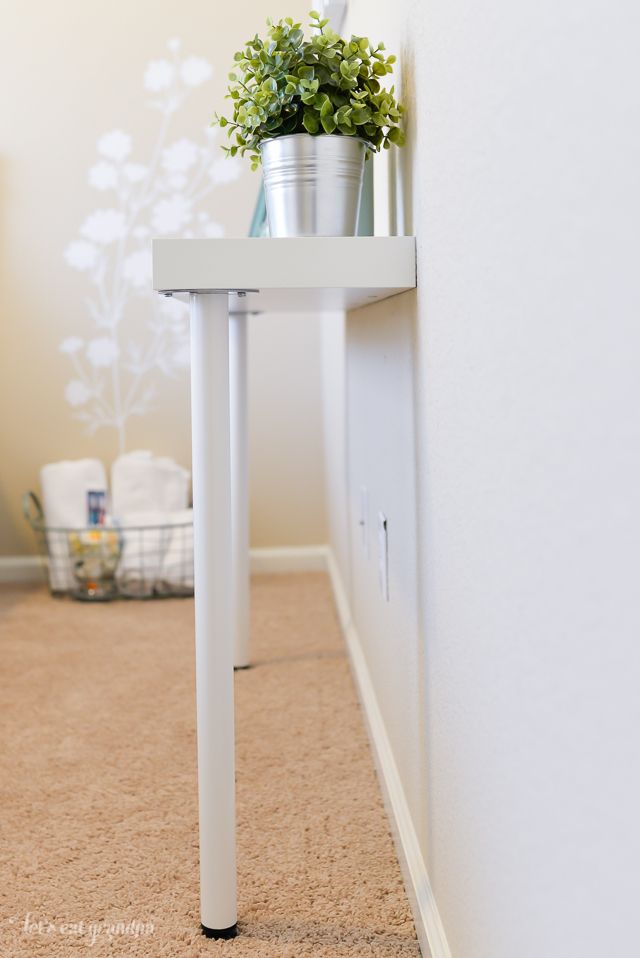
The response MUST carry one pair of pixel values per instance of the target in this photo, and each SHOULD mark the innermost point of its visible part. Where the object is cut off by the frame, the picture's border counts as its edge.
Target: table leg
(214, 610)
(240, 485)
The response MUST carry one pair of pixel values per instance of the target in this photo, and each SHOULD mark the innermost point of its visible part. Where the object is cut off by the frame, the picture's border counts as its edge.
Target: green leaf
(314, 14)
(361, 116)
(310, 121)
(396, 135)
(327, 107)
(328, 124)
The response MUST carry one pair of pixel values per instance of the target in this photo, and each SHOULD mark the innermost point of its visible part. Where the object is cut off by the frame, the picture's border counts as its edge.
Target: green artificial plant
(286, 84)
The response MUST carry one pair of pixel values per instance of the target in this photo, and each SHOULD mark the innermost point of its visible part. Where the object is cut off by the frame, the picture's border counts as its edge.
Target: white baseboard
(289, 559)
(22, 569)
(431, 936)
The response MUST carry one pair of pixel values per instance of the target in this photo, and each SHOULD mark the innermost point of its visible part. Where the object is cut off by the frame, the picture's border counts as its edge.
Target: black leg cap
(220, 932)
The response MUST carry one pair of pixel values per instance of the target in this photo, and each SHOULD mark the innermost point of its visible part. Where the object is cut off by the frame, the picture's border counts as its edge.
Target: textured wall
(516, 643)
(103, 143)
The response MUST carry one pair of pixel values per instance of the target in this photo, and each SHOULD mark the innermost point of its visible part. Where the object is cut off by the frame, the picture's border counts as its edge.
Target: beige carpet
(98, 785)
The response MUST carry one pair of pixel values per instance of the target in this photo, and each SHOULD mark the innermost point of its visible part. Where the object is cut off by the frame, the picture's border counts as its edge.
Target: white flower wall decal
(103, 176)
(76, 392)
(115, 145)
(195, 71)
(180, 156)
(114, 369)
(102, 351)
(81, 255)
(71, 344)
(159, 75)
(104, 226)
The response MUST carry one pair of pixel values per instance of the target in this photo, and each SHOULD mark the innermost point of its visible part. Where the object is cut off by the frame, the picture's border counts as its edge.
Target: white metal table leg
(214, 610)
(240, 485)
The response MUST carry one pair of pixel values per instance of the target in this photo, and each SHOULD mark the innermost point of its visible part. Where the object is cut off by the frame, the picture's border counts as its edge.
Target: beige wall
(69, 73)
(286, 430)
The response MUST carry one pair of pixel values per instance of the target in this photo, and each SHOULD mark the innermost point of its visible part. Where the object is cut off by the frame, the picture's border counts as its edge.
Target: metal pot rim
(316, 136)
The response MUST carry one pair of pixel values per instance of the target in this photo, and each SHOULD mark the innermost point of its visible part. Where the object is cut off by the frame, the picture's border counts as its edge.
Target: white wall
(506, 663)
(380, 458)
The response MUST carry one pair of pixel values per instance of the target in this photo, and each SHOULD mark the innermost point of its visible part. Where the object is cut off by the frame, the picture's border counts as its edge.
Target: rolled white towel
(145, 540)
(64, 487)
(177, 567)
(141, 482)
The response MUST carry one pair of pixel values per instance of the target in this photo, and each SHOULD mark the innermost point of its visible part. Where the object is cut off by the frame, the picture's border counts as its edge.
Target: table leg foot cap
(230, 932)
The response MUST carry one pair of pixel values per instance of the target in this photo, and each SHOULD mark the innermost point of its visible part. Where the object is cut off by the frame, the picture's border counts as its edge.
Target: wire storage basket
(97, 563)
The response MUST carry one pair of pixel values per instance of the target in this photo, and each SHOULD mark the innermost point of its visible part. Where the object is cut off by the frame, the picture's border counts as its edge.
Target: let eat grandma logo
(89, 931)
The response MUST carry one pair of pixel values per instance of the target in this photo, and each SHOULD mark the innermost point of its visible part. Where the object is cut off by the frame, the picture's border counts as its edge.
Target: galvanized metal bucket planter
(313, 184)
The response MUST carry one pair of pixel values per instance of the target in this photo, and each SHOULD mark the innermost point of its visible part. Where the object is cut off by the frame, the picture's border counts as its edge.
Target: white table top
(304, 274)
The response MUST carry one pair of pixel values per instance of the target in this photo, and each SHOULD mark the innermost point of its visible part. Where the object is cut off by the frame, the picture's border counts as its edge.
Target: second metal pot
(313, 184)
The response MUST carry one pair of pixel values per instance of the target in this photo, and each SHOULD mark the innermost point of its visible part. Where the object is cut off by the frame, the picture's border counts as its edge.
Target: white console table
(224, 280)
